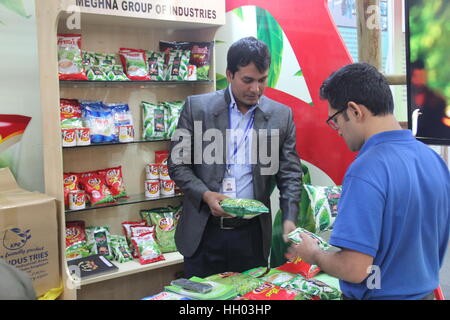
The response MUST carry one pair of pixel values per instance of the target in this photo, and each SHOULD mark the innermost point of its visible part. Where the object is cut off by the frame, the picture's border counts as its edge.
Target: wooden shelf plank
(133, 267)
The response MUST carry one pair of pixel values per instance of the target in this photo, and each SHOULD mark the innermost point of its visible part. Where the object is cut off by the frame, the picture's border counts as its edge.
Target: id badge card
(229, 187)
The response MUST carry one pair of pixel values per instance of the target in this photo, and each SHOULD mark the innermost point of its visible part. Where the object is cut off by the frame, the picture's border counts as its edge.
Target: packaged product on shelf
(76, 245)
(152, 188)
(123, 118)
(240, 282)
(295, 237)
(69, 137)
(134, 63)
(297, 266)
(98, 241)
(100, 122)
(161, 156)
(192, 72)
(115, 73)
(324, 201)
(314, 288)
(126, 225)
(88, 58)
(71, 183)
(77, 200)
(152, 171)
(165, 221)
(95, 73)
(166, 46)
(177, 67)
(70, 62)
(155, 62)
(167, 187)
(120, 249)
(154, 121)
(114, 180)
(83, 137)
(96, 189)
(201, 58)
(164, 172)
(70, 114)
(137, 231)
(174, 109)
(243, 208)
(105, 59)
(147, 249)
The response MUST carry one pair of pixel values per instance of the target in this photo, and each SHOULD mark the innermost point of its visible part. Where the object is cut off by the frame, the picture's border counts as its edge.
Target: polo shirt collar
(386, 136)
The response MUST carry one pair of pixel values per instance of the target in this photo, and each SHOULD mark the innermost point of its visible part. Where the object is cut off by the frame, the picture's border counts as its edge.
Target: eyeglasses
(330, 121)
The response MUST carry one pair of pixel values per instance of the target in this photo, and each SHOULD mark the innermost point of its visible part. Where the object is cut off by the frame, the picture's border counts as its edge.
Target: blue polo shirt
(395, 207)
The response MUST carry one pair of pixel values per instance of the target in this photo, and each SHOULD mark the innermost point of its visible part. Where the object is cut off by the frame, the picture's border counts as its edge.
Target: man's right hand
(212, 199)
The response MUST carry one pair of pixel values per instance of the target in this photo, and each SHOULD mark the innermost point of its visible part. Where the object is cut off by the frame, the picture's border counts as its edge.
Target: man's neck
(380, 124)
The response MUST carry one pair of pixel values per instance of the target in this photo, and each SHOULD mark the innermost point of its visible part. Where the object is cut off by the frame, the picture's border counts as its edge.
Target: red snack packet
(96, 189)
(161, 156)
(137, 231)
(69, 108)
(70, 66)
(75, 233)
(134, 62)
(71, 183)
(147, 248)
(269, 291)
(126, 225)
(114, 181)
(297, 266)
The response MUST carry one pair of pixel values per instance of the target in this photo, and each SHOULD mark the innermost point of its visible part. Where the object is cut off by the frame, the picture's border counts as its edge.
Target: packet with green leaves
(177, 68)
(324, 201)
(243, 208)
(154, 121)
(295, 237)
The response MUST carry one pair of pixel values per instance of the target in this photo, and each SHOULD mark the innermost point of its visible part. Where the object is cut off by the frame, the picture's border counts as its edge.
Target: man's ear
(356, 110)
(229, 76)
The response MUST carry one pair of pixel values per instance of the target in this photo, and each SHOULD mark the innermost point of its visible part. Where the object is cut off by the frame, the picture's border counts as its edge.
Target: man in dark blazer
(203, 163)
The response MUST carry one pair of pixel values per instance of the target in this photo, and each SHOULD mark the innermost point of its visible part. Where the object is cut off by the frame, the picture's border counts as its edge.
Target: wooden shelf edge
(133, 267)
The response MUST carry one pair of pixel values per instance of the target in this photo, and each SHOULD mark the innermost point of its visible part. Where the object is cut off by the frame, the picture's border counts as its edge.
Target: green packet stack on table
(219, 291)
(240, 282)
(243, 208)
(294, 236)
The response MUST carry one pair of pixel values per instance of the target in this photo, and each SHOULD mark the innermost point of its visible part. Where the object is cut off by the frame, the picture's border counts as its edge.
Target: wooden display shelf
(132, 199)
(122, 84)
(116, 143)
(132, 267)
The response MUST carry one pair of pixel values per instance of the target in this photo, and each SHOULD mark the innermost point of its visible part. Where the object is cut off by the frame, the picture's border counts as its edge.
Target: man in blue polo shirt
(393, 216)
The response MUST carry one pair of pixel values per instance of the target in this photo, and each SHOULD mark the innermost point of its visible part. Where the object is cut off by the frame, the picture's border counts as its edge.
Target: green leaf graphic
(298, 74)
(269, 31)
(221, 81)
(239, 13)
(16, 6)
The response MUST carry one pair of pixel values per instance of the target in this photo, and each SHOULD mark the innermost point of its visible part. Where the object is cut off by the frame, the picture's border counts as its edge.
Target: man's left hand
(307, 250)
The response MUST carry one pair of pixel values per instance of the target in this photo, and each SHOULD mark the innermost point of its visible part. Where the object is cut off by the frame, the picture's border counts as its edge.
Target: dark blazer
(193, 178)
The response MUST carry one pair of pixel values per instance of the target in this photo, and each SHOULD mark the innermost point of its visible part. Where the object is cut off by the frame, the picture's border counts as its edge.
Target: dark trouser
(427, 297)
(221, 250)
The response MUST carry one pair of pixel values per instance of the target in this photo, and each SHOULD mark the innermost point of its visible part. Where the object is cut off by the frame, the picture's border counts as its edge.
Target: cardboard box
(29, 233)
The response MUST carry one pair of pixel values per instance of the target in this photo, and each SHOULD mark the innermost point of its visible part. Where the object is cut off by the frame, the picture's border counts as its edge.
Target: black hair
(418, 64)
(360, 83)
(248, 50)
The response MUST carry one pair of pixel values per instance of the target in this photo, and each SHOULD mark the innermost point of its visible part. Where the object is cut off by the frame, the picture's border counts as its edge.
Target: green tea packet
(177, 68)
(155, 62)
(154, 121)
(295, 237)
(243, 208)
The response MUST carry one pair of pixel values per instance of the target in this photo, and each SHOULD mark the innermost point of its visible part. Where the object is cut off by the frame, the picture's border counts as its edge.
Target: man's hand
(306, 250)
(288, 227)
(212, 199)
